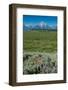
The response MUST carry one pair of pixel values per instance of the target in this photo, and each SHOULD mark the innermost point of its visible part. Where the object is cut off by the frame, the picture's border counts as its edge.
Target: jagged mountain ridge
(39, 26)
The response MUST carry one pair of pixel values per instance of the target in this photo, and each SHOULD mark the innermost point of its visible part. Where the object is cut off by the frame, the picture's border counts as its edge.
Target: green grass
(40, 41)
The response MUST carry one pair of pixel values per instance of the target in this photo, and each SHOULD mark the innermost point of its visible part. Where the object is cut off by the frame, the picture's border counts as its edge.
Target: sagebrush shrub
(39, 63)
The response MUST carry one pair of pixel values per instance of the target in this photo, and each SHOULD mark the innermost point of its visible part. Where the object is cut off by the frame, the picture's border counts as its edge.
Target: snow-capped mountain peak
(41, 25)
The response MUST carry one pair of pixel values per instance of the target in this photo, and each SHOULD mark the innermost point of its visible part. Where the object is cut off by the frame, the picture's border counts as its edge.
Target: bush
(39, 63)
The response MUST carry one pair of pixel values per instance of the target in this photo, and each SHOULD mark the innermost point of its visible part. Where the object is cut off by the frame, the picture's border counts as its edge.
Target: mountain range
(39, 26)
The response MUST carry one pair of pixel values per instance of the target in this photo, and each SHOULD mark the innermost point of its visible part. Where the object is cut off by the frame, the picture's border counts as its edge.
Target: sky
(34, 19)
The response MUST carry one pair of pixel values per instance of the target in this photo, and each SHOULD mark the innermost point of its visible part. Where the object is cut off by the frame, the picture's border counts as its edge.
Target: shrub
(39, 63)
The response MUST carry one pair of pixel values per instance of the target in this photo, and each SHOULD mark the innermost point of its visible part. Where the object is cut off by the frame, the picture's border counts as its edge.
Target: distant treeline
(42, 30)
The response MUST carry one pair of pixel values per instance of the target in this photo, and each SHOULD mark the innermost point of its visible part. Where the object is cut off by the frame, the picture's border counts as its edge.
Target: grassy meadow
(40, 41)
(40, 49)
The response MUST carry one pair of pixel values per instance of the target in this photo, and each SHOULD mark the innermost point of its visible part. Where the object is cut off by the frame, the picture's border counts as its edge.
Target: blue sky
(33, 19)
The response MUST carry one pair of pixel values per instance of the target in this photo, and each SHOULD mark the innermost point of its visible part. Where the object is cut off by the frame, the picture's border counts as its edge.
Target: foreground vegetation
(40, 49)
(39, 63)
